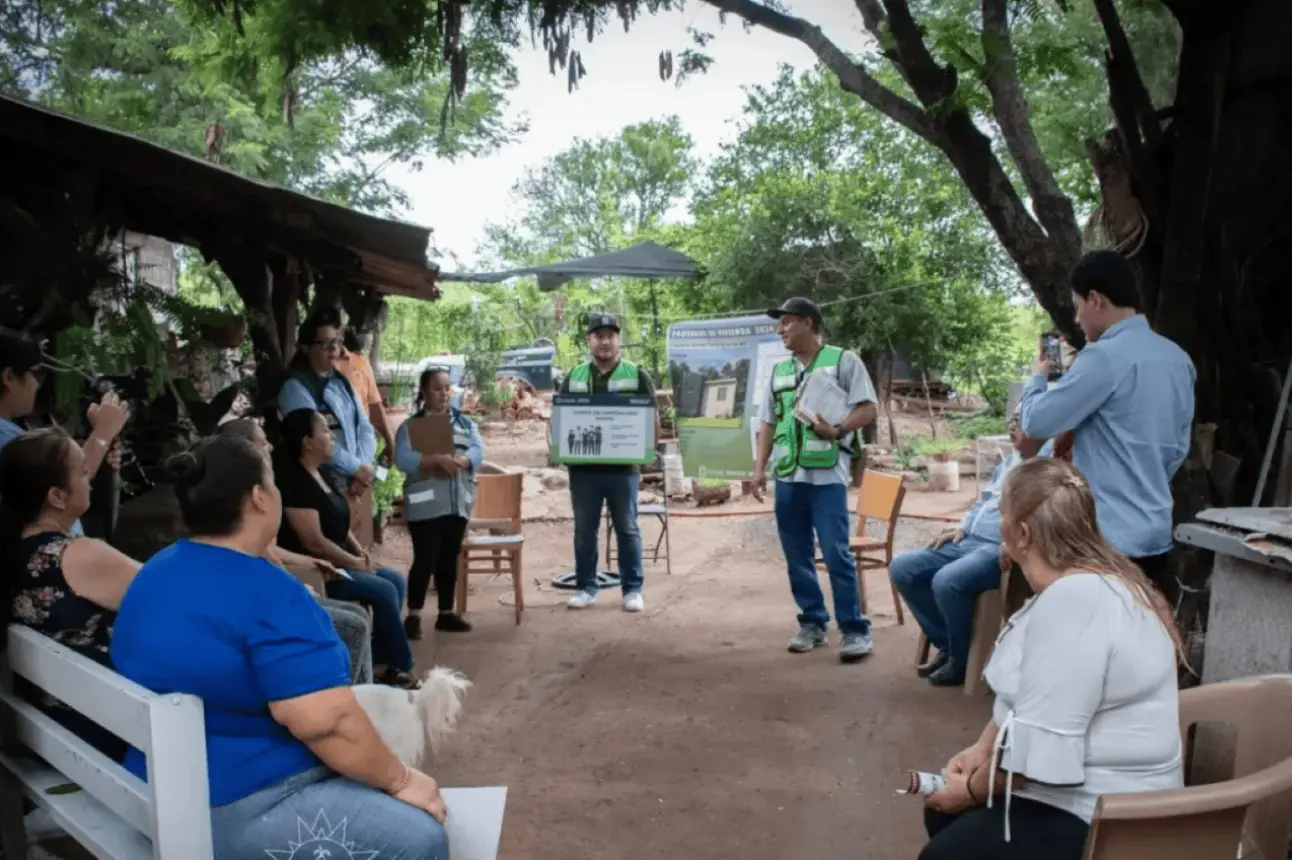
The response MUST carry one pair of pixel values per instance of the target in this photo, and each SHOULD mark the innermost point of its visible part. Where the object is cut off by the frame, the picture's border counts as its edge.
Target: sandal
(396, 678)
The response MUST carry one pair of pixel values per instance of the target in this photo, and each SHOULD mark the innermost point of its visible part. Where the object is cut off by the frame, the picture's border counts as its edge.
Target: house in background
(147, 259)
(719, 398)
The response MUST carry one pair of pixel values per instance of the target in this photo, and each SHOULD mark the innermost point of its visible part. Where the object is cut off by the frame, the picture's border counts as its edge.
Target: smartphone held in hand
(1052, 351)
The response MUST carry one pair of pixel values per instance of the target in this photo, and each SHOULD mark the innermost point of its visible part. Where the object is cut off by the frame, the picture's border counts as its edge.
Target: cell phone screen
(1051, 348)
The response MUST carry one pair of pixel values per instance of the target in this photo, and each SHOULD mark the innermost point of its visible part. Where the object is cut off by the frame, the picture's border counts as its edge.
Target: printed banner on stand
(721, 373)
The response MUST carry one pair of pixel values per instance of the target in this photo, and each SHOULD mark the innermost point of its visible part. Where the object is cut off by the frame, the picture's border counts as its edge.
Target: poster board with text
(603, 429)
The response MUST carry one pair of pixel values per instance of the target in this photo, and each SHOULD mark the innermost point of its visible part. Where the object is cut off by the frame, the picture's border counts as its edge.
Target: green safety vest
(623, 379)
(794, 444)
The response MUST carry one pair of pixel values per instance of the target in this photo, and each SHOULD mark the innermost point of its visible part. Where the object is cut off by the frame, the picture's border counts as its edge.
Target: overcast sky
(622, 87)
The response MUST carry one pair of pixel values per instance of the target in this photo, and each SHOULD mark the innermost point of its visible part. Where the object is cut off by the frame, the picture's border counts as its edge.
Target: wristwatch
(839, 432)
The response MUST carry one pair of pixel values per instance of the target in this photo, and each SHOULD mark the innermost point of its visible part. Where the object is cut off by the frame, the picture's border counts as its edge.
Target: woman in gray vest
(438, 494)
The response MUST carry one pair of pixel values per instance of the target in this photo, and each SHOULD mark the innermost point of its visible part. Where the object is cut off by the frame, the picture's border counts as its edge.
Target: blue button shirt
(1129, 401)
(358, 440)
(10, 431)
(240, 633)
(982, 520)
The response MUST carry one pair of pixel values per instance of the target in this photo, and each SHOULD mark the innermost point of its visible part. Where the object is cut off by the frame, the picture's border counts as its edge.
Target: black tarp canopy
(644, 260)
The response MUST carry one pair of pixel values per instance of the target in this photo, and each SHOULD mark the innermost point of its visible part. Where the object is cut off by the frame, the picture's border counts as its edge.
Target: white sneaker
(581, 600)
(633, 602)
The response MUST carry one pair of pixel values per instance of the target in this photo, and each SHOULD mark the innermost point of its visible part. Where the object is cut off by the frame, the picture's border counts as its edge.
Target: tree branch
(932, 83)
(1122, 66)
(852, 77)
(1053, 208)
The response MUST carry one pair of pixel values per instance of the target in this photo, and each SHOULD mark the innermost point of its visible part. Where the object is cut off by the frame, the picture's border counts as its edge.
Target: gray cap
(599, 320)
(799, 307)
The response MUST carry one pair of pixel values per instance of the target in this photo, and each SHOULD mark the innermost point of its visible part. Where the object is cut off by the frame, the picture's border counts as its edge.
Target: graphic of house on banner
(718, 399)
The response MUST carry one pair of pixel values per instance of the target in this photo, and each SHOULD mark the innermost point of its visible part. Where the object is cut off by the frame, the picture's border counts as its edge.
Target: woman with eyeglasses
(314, 383)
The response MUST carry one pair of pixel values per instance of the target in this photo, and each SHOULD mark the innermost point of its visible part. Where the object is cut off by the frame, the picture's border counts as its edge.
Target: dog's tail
(439, 703)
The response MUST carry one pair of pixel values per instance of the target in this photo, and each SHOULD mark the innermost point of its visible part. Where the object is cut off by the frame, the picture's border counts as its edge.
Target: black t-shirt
(600, 384)
(299, 489)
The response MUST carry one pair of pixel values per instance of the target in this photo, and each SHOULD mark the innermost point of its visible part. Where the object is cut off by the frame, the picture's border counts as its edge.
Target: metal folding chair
(660, 512)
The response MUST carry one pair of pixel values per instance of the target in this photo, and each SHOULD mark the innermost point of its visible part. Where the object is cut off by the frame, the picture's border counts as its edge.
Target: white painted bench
(115, 816)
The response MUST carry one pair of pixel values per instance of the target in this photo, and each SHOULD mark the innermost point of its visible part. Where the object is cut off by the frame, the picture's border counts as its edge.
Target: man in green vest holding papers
(615, 485)
(811, 459)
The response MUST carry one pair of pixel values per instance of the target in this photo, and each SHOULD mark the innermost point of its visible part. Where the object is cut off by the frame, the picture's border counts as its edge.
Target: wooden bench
(114, 815)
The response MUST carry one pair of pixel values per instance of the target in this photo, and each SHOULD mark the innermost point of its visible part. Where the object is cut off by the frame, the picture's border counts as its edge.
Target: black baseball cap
(799, 307)
(600, 320)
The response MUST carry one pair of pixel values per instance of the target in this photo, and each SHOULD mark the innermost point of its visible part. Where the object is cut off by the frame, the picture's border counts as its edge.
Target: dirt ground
(688, 731)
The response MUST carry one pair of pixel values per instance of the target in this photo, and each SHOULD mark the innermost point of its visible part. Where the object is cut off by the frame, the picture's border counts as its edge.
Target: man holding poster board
(818, 399)
(604, 426)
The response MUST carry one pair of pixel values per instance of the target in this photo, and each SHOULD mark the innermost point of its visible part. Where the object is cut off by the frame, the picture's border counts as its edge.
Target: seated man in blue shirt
(1128, 400)
(941, 582)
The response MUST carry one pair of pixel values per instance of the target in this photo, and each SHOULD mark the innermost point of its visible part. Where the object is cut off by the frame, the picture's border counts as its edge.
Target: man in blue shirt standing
(20, 377)
(940, 582)
(1128, 401)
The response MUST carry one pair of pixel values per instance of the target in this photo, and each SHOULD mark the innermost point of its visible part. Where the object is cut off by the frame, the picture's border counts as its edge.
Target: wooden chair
(497, 511)
(880, 499)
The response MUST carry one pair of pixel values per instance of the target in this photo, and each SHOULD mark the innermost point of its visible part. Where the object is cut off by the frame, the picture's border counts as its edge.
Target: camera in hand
(1052, 350)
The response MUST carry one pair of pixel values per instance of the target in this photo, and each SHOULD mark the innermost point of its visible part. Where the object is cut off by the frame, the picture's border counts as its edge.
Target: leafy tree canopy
(329, 126)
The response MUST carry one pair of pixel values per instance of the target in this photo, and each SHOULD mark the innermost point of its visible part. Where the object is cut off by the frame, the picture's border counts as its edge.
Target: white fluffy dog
(409, 721)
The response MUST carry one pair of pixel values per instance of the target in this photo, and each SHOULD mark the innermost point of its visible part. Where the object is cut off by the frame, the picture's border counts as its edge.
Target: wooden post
(286, 287)
(247, 268)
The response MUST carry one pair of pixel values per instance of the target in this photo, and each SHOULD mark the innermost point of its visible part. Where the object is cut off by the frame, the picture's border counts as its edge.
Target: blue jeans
(940, 586)
(804, 509)
(384, 591)
(307, 815)
(588, 489)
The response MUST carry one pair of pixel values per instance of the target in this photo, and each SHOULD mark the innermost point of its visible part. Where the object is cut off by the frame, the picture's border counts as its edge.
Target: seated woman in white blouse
(1085, 683)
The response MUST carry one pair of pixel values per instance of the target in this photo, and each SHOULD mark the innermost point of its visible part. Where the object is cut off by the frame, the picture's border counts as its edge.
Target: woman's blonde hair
(1055, 502)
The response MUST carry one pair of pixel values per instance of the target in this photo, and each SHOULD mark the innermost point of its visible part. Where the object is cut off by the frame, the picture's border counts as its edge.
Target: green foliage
(328, 126)
(595, 196)
(975, 426)
(819, 196)
(1059, 53)
(385, 492)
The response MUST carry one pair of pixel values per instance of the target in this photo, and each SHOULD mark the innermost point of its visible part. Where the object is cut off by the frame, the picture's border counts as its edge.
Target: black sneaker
(450, 622)
(950, 675)
(413, 627)
(928, 668)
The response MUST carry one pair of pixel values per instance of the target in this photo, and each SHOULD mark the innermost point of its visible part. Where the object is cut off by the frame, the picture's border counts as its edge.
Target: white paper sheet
(821, 395)
(474, 823)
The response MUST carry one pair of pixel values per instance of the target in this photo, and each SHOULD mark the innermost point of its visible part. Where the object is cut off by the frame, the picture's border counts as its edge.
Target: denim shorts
(318, 814)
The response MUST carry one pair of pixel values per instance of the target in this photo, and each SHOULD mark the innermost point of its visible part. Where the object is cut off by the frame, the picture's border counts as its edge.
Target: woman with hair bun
(1085, 680)
(286, 740)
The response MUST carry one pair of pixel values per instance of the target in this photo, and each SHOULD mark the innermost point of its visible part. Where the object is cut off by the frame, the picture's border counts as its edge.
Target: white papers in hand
(474, 822)
(821, 395)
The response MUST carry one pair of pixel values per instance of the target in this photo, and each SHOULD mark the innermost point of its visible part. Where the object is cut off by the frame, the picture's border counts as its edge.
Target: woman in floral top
(64, 586)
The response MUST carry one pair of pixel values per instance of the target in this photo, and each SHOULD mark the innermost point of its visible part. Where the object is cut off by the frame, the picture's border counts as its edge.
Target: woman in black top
(316, 522)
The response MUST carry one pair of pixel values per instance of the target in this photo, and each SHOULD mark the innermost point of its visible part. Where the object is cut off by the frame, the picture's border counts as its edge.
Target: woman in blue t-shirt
(286, 740)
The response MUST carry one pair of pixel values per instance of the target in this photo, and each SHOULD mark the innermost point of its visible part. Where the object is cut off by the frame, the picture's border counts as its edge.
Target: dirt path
(689, 731)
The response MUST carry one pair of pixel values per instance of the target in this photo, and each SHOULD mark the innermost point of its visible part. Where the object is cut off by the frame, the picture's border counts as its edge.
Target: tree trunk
(248, 270)
(880, 364)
